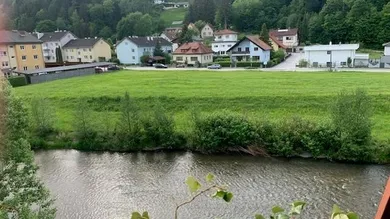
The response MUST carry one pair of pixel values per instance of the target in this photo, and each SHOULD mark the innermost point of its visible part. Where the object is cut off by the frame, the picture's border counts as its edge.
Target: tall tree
(264, 34)
(157, 50)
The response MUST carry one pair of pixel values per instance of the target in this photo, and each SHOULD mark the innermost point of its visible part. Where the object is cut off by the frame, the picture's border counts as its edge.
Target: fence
(60, 75)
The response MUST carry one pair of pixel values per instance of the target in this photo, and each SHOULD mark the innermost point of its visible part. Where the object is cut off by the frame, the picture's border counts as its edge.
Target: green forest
(319, 21)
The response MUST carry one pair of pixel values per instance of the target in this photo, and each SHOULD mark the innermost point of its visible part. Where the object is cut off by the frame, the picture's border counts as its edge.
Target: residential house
(172, 35)
(387, 49)
(385, 60)
(288, 37)
(87, 50)
(130, 49)
(158, 2)
(193, 53)
(334, 55)
(52, 41)
(191, 26)
(277, 44)
(207, 31)
(250, 48)
(223, 41)
(20, 50)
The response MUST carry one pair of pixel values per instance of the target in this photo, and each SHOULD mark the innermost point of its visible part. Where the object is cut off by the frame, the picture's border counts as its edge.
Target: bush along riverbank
(347, 137)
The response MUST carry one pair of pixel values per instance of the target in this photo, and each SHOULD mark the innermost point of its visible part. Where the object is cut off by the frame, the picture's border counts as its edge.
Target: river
(112, 185)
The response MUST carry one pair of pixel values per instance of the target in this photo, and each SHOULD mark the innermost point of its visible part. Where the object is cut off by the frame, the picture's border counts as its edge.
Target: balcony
(241, 52)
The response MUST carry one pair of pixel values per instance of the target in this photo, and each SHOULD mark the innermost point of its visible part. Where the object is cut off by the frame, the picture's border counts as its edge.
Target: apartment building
(20, 50)
(87, 50)
(52, 41)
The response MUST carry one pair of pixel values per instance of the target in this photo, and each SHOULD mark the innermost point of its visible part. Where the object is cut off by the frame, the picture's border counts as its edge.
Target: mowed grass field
(259, 95)
(174, 14)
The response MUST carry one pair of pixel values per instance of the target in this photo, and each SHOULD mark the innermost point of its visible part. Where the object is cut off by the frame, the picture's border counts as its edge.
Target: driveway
(290, 62)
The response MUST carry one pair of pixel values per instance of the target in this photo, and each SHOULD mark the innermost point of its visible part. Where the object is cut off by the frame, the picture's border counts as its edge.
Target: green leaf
(277, 209)
(297, 207)
(259, 216)
(282, 216)
(340, 216)
(193, 184)
(145, 215)
(219, 194)
(136, 215)
(298, 203)
(209, 177)
(228, 196)
(336, 209)
(352, 215)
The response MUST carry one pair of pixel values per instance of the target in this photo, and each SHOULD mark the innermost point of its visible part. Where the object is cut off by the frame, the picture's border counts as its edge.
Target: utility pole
(330, 53)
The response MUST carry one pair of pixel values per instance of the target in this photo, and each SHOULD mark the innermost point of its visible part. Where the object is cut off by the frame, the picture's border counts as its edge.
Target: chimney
(330, 43)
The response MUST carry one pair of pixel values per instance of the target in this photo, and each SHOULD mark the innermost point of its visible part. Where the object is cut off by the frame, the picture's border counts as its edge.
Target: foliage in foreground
(346, 138)
(278, 212)
(22, 194)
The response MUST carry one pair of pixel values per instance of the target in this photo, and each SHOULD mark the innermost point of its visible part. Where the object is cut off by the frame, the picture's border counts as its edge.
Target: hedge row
(17, 81)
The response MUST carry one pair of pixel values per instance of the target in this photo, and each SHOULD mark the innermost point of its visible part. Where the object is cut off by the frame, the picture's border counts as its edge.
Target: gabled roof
(146, 41)
(54, 36)
(82, 43)
(208, 24)
(171, 35)
(224, 32)
(284, 32)
(192, 49)
(386, 44)
(13, 37)
(254, 39)
(331, 47)
(275, 40)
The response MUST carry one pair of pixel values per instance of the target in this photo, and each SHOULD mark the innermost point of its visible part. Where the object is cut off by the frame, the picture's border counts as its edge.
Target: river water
(112, 185)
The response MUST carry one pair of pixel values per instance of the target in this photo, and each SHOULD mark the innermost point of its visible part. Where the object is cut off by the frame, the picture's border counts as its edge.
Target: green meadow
(259, 95)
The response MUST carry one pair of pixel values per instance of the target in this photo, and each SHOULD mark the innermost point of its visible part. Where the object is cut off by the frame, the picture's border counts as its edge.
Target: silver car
(214, 66)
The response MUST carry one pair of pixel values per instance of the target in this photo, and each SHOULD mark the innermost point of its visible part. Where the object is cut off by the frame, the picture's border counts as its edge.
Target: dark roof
(53, 36)
(17, 37)
(284, 32)
(171, 36)
(82, 43)
(65, 68)
(254, 39)
(147, 41)
(193, 48)
(274, 39)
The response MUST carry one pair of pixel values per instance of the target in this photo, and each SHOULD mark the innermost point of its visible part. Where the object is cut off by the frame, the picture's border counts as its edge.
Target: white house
(387, 49)
(223, 41)
(335, 55)
(250, 48)
(51, 41)
(158, 2)
(207, 31)
(289, 37)
(130, 49)
(194, 52)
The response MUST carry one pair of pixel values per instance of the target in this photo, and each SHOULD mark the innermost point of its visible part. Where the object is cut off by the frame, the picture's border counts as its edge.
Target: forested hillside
(319, 21)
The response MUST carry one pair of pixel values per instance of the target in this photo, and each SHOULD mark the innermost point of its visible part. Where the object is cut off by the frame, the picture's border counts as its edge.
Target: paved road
(290, 63)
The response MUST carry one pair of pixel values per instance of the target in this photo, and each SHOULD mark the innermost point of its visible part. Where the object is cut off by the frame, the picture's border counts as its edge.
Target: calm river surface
(112, 185)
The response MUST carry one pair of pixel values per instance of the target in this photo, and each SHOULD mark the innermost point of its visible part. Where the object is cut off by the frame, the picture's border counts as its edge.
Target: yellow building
(87, 50)
(20, 50)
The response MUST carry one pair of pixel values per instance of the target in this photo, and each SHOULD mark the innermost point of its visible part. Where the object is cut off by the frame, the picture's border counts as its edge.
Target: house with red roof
(223, 41)
(276, 44)
(288, 37)
(193, 53)
(251, 48)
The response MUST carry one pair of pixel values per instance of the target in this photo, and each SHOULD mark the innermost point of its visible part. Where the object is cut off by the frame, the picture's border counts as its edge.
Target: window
(246, 49)
(215, 46)
(67, 57)
(25, 68)
(90, 57)
(343, 63)
(90, 50)
(256, 48)
(219, 37)
(210, 33)
(79, 52)
(179, 58)
(255, 58)
(71, 57)
(85, 57)
(22, 47)
(3, 53)
(133, 57)
(34, 47)
(46, 44)
(223, 45)
(37, 67)
(24, 58)
(35, 56)
(56, 44)
(52, 51)
(194, 59)
(239, 49)
(84, 50)
(11, 46)
(4, 64)
(12, 57)
(223, 52)
(229, 45)
(288, 38)
(132, 50)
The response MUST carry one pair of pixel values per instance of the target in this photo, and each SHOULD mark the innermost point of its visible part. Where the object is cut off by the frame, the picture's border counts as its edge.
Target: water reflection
(112, 185)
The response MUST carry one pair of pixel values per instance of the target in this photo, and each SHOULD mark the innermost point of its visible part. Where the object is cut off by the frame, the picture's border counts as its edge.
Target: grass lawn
(374, 54)
(175, 14)
(270, 95)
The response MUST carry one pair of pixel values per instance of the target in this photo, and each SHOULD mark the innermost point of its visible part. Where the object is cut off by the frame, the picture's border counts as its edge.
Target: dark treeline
(319, 21)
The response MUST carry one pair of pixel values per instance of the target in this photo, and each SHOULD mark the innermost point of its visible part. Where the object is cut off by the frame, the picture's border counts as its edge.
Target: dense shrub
(220, 131)
(248, 64)
(17, 81)
(84, 125)
(42, 116)
(225, 64)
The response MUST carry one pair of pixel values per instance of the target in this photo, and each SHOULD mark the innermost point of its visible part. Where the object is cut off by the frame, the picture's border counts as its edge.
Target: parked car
(180, 66)
(113, 68)
(214, 66)
(98, 70)
(158, 65)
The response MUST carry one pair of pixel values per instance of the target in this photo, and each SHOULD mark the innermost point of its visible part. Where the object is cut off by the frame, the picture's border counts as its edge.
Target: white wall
(387, 51)
(226, 37)
(322, 57)
(49, 48)
(207, 31)
(221, 47)
(203, 59)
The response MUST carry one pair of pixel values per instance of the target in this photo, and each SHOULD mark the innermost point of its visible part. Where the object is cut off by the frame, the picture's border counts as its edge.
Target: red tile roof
(225, 31)
(280, 44)
(193, 48)
(284, 32)
(259, 42)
